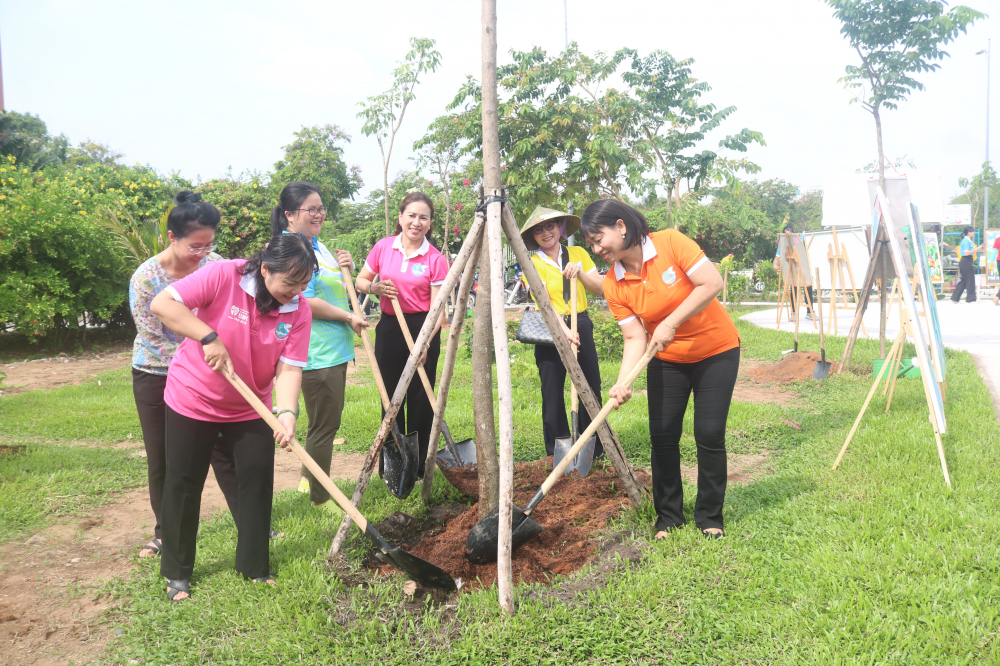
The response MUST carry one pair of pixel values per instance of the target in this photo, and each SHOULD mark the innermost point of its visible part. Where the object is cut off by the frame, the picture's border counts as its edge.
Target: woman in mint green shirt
(331, 343)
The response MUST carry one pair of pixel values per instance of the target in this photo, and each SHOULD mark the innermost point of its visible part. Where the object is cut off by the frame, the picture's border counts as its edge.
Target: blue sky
(199, 87)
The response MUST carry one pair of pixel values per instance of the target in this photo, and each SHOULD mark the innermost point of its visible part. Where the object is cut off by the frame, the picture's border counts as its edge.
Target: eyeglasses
(201, 250)
(314, 211)
(548, 226)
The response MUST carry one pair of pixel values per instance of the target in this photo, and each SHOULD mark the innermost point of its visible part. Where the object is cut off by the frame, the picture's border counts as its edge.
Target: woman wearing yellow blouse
(554, 262)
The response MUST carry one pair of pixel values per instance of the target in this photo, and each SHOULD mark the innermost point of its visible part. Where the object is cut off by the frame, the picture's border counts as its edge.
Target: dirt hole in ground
(573, 514)
(795, 367)
(11, 450)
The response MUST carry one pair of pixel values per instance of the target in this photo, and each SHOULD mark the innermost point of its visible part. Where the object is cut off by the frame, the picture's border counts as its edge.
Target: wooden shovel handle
(560, 469)
(574, 398)
(365, 339)
(409, 343)
(306, 459)
(819, 312)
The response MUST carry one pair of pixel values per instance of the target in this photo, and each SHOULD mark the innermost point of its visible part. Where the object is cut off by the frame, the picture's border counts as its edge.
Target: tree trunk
(882, 289)
(385, 190)
(482, 392)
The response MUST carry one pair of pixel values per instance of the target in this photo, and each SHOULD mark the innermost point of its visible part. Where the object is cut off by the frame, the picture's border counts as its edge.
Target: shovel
(457, 455)
(400, 463)
(796, 349)
(585, 458)
(822, 368)
(481, 546)
(420, 570)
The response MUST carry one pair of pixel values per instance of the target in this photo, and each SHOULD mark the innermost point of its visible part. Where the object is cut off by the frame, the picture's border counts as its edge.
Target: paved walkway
(974, 327)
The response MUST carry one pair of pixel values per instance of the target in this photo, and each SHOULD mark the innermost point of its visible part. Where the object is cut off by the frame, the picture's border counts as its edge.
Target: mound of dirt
(572, 513)
(465, 479)
(795, 367)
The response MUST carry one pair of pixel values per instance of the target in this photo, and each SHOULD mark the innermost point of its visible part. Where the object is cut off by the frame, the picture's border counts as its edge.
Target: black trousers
(189, 447)
(148, 392)
(967, 282)
(669, 385)
(416, 413)
(552, 373)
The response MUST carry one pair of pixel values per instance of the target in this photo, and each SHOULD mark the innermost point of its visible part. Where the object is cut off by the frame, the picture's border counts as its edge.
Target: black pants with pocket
(147, 389)
(552, 373)
(416, 414)
(189, 447)
(669, 386)
(968, 281)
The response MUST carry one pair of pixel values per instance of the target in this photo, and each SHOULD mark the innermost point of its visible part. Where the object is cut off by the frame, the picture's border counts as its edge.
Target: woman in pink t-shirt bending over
(252, 308)
(412, 270)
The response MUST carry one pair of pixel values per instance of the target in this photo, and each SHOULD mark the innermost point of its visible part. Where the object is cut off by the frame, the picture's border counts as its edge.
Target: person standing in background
(300, 210)
(967, 251)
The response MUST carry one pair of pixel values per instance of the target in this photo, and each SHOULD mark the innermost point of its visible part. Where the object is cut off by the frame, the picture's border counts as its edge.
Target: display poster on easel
(992, 275)
(932, 253)
(909, 328)
(924, 279)
(803, 257)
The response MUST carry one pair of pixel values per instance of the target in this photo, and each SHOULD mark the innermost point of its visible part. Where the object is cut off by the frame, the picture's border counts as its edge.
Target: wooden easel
(907, 328)
(891, 364)
(796, 292)
(839, 260)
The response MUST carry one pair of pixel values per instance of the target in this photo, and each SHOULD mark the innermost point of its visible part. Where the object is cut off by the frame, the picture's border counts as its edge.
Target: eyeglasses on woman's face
(313, 212)
(194, 250)
(545, 228)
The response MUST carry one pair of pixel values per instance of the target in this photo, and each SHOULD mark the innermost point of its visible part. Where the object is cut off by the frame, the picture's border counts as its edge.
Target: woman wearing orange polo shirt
(663, 285)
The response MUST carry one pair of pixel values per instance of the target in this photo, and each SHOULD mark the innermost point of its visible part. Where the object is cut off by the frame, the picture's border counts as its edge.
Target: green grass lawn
(876, 563)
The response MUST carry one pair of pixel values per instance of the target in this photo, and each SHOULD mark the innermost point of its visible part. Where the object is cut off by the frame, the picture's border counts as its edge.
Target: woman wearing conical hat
(556, 264)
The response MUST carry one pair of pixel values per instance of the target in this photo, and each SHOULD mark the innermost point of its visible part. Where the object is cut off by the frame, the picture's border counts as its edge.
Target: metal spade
(582, 461)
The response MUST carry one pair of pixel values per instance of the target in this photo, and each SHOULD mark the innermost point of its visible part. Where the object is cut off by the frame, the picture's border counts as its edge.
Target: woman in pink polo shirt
(412, 270)
(253, 308)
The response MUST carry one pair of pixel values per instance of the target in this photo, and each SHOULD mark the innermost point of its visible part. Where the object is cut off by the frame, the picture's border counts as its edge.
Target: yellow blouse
(551, 272)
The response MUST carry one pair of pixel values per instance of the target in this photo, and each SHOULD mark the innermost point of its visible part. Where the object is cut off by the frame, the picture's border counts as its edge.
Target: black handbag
(533, 330)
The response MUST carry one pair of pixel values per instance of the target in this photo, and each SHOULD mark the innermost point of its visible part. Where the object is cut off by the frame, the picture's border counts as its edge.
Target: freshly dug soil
(571, 514)
(466, 479)
(795, 367)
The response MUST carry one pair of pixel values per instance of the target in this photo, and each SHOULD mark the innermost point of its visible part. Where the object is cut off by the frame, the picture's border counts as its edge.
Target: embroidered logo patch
(282, 330)
(419, 269)
(669, 276)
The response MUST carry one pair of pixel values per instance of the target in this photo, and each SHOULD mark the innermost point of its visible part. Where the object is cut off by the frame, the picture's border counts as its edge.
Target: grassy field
(876, 563)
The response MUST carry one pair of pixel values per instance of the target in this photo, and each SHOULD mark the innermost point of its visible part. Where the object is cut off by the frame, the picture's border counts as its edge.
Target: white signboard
(957, 214)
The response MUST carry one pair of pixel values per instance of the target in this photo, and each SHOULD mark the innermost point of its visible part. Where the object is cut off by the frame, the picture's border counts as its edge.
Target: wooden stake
(450, 354)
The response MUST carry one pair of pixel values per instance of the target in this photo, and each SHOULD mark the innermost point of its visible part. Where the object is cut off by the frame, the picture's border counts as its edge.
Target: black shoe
(713, 535)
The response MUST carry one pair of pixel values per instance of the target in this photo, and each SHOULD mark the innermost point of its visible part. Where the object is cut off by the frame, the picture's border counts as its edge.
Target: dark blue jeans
(669, 386)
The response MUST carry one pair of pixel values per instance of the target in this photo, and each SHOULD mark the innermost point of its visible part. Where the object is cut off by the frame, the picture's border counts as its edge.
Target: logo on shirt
(669, 276)
(237, 313)
(282, 330)
(419, 269)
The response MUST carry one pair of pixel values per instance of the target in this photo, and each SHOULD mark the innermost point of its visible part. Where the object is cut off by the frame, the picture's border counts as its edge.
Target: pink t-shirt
(224, 300)
(413, 276)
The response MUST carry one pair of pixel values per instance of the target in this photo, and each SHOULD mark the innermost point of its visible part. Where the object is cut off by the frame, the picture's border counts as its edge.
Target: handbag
(533, 330)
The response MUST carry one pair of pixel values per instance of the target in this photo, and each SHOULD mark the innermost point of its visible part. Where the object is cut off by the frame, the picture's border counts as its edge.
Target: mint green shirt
(331, 342)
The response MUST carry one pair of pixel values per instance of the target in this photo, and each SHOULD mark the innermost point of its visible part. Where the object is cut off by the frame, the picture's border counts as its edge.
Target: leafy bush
(607, 336)
(738, 290)
(55, 261)
(245, 205)
(764, 271)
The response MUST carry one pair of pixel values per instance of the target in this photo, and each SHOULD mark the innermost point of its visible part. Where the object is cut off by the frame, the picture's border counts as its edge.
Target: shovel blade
(583, 460)
(466, 451)
(484, 539)
(419, 570)
(821, 370)
(400, 463)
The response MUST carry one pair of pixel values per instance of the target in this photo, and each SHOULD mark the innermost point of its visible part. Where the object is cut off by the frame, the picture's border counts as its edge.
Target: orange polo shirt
(668, 258)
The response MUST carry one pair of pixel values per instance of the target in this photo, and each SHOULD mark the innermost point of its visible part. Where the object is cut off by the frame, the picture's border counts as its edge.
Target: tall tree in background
(383, 114)
(895, 40)
(26, 138)
(317, 156)
(441, 149)
(565, 132)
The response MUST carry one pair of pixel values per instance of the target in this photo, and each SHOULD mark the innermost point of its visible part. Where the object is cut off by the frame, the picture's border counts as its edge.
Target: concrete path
(974, 327)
